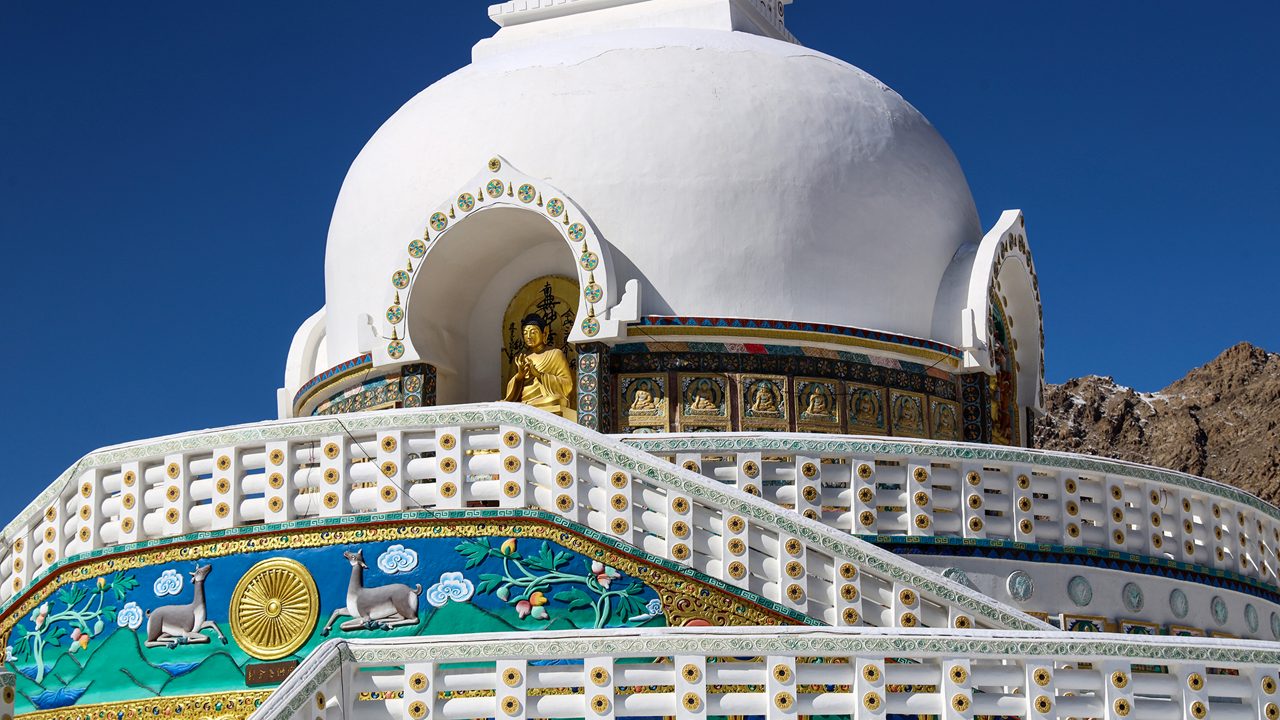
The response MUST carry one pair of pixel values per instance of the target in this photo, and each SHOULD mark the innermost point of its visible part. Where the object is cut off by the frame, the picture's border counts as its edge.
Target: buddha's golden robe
(550, 386)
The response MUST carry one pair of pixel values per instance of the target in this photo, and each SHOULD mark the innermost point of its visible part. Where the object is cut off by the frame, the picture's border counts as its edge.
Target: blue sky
(167, 172)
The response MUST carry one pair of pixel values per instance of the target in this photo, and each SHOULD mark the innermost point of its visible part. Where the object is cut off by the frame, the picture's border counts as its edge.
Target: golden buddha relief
(538, 361)
(764, 402)
(817, 405)
(704, 403)
(867, 414)
(907, 414)
(944, 419)
(642, 403)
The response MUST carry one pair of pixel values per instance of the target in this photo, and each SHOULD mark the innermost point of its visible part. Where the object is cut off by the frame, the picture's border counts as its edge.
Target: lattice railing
(926, 488)
(782, 674)
(500, 456)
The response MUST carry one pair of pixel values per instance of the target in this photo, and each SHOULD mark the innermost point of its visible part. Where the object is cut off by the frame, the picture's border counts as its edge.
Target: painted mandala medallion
(1219, 608)
(400, 279)
(1132, 596)
(593, 293)
(395, 349)
(395, 314)
(555, 206)
(494, 188)
(274, 608)
(1080, 591)
(466, 201)
(590, 327)
(1251, 617)
(417, 249)
(577, 231)
(1020, 585)
(1275, 625)
(526, 193)
(589, 261)
(1178, 604)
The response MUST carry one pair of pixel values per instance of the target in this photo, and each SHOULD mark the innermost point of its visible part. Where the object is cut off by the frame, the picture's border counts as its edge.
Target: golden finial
(591, 277)
(566, 216)
(539, 199)
(397, 300)
(408, 266)
(393, 333)
(509, 193)
(480, 194)
(451, 215)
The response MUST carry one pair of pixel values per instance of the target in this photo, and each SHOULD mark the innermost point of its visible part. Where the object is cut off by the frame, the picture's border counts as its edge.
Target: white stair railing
(498, 455)
(782, 673)
(935, 489)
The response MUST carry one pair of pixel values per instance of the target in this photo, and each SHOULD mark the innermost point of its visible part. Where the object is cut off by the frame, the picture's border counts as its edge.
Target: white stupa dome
(735, 175)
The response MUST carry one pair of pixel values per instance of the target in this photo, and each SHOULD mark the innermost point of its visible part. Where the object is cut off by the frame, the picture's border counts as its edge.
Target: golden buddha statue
(542, 378)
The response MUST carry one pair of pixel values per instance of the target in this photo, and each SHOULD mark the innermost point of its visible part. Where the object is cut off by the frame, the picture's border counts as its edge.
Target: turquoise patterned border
(604, 448)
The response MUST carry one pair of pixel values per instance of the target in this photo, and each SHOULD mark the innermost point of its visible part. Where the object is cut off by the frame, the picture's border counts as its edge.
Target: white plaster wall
(736, 175)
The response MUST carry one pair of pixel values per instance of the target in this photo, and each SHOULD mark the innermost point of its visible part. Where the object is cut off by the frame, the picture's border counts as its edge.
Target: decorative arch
(1004, 288)
(602, 312)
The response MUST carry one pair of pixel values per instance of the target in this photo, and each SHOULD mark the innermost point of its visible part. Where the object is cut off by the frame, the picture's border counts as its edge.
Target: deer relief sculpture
(173, 625)
(370, 608)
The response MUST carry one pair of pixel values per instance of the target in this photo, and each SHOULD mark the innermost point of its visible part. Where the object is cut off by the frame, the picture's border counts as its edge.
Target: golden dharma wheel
(274, 608)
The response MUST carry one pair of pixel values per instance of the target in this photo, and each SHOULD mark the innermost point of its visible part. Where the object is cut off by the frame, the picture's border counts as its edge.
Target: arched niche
(499, 231)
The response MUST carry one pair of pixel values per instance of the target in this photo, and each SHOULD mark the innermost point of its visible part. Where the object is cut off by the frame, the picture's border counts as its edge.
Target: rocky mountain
(1221, 421)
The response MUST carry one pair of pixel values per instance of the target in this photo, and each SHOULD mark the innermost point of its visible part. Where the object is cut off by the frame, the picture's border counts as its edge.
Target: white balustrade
(780, 674)
(926, 488)
(498, 456)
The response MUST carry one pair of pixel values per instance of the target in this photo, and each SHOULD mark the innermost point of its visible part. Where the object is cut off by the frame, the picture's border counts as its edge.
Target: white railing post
(1024, 520)
(1155, 507)
(512, 689)
(862, 482)
(598, 686)
(1039, 685)
(280, 491)
(1218, 557)
(393, 486)
(736, 550)
(621, 514)
(516, 467)
(450, 470)
(1264, 689)
(868, 689)
(750, 469)
(906, 606)
(177, 496)
(51, 534)
(793, 580)
(691, 687)
(679, 513)
(1072, 525)
(89, 509)
(1117, 686)
(1116, 523)
(781, 697)
(918, 500)
(227, 492)
(1188, 525)
(420, 691)
(1191, 694)
(335, 469)
(808, 475)
(957, 690)
(133, 504)
(21, 560)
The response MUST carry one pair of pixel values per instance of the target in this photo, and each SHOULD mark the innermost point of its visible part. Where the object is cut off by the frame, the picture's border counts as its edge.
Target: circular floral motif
(959, 576)
(577, 231)
(1020, 585)
(1079, 591)
(526, 193)
(590, 326)
(1251, 617)
(395, 314)
(1219, 608)
(555, 206)
(1132, 596)
(413, 383)
(400, 279)
(439, 221)
(495, 164)
(1275, 625)
(589, 260)
(417, 248)
(1178, 603)
(466, 201)
(395, 349)
(494, 188)
(593, 293)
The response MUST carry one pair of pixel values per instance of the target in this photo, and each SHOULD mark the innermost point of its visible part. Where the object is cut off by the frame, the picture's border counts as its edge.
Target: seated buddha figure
(543, 378)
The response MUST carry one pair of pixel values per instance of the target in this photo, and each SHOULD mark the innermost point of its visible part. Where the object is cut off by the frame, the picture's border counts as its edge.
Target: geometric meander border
(602, 447)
